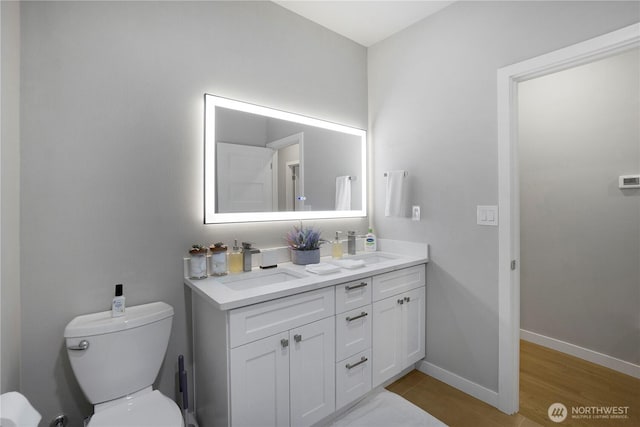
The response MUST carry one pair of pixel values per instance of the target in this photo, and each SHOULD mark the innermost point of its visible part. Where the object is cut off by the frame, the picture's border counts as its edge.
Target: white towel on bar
(343, 193)
(396, 194)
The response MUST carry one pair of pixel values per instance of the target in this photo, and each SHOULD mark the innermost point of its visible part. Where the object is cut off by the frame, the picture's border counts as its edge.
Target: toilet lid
(151, 409)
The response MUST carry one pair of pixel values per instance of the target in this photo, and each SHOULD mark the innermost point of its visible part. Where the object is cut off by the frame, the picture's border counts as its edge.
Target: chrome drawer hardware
(361, 285)
(363, 314)
(284, 342)
(82, 346)
(362, 360)
(297, 337)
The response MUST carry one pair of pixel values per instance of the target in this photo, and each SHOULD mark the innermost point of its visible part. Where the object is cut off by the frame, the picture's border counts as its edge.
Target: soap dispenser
(370, 244)
(235, 259)
(336, 247)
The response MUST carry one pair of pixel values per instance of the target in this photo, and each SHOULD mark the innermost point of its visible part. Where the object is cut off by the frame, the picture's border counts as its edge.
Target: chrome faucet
(247, 251)
(351, 242)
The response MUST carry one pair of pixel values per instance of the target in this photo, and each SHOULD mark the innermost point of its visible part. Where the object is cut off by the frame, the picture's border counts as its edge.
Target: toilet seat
(151, 409)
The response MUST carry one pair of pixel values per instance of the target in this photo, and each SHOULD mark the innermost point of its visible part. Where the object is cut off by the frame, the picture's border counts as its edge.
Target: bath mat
(386, 409)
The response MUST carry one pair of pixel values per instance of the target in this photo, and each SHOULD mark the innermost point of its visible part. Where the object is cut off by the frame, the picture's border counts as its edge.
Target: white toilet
(116, 360)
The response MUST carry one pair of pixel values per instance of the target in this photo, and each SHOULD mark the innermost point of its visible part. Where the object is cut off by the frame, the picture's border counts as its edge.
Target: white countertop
(214, 290)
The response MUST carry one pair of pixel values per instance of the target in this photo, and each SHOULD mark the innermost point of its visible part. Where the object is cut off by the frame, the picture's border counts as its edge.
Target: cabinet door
(386, 339)
(413, 326)
(312, 372)
(260, 383)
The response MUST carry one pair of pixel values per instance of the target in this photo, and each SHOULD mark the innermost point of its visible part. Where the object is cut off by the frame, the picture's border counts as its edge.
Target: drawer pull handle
(358, 286)
(407, 299)
(284, 342)
(350, 366)
(297, 337)
(363, 314)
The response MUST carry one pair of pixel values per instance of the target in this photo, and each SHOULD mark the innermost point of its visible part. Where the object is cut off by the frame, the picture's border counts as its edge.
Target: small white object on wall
(629, 181)
(415, 213)
(487, 215)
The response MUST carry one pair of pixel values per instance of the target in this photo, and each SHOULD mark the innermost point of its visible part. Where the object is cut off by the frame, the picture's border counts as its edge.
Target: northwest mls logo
(557, 412)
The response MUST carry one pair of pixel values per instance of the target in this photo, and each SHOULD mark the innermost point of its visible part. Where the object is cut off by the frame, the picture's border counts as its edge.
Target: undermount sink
(374, 257)
(258, 278)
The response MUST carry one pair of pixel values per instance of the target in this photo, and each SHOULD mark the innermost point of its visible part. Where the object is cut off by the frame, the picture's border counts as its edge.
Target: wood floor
(546, 377)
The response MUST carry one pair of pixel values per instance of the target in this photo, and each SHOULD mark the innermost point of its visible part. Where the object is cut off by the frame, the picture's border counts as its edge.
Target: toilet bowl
(116, 360)
(150, 408)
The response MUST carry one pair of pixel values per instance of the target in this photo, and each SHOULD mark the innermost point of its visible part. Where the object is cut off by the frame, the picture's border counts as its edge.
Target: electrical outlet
(415, 213)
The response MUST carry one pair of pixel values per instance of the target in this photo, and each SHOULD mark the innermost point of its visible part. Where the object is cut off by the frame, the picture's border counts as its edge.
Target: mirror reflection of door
(289, 168)
(294, 199)
(249, 184)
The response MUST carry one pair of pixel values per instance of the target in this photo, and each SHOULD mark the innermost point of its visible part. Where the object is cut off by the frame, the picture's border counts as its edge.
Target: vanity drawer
(353, 378)
(395, 282)
(353, 332)
(353, 294)
(257, 321)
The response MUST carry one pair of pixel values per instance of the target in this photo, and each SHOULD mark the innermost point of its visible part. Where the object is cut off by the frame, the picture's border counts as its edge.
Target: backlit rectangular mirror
(263, 164)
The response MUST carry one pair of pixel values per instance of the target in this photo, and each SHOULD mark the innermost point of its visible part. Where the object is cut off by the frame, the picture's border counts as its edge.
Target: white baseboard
(476, 390)
(582, 353)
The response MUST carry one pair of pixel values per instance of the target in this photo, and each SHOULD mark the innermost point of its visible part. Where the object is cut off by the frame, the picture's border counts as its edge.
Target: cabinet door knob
(407, 299)
(284, 342)
(297, 337)
(400, 301)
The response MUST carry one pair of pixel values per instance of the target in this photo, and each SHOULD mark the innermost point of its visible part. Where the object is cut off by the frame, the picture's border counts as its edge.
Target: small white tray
(322, 268)
(349, 263)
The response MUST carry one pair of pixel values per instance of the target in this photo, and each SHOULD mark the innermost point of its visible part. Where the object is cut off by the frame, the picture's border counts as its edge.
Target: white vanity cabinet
(398, 321)
(294, 360)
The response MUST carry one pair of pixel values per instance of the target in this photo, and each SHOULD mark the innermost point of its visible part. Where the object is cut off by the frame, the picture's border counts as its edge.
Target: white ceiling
(365, 22)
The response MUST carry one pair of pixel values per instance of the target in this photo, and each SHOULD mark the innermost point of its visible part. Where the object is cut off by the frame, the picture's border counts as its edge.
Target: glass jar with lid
(198, 262)
(218, 259)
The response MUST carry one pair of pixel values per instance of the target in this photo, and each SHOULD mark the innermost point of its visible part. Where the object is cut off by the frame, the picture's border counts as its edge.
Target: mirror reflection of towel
(396, 194)
(343, 193)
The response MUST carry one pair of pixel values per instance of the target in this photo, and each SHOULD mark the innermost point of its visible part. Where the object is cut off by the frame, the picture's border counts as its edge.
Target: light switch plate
(487, 215)
(415, 213)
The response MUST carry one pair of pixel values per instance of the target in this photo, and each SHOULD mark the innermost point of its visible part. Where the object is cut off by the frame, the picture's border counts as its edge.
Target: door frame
(296, 138)
(509, 192)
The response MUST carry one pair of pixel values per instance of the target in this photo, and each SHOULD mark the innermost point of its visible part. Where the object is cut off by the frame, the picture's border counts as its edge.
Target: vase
(305, 257)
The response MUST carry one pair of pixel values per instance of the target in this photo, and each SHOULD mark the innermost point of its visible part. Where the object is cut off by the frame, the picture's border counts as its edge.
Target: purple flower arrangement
(304, 239)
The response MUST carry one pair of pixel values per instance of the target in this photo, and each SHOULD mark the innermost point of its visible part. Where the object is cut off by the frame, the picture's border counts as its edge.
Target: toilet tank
(124, 353)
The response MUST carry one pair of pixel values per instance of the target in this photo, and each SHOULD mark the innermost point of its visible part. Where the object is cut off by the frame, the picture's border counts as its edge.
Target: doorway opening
(508, 193)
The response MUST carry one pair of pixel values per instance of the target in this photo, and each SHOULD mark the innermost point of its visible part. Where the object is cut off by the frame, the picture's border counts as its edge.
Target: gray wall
(112, 118)
(432, 109)
(580, 234)
(10, 191)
